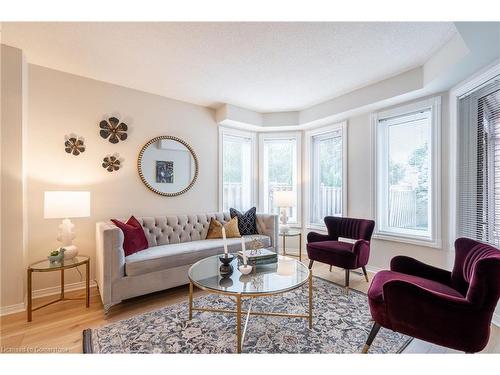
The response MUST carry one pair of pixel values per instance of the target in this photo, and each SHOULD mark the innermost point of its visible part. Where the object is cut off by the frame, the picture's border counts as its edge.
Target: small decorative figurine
(56, 256)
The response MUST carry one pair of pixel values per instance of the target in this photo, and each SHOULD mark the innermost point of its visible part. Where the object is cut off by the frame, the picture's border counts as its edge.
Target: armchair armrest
(411, 266)
(267, 224)
(110, 259)
(317, 237)
(361, 249)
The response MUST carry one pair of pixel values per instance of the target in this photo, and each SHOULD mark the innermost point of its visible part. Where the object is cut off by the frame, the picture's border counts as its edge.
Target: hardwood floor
(58, 328)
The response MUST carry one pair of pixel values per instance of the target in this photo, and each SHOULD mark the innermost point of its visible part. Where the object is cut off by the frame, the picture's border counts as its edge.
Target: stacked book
(259, 257)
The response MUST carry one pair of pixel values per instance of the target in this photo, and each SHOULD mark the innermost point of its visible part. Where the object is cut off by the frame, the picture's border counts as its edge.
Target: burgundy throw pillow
(134, 238)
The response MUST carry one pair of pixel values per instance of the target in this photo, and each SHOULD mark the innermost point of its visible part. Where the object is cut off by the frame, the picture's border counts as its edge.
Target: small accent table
(46, 266)
(292, 233)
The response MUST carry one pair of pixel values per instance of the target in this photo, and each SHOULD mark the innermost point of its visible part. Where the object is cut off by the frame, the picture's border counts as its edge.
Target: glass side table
(292, 233)
(46, 266)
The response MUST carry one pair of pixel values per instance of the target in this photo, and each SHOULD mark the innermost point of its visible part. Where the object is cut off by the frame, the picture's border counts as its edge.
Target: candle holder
(226, 268)
(245, 269)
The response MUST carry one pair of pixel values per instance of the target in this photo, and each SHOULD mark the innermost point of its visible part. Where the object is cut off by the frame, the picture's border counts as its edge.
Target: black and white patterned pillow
(247, 222)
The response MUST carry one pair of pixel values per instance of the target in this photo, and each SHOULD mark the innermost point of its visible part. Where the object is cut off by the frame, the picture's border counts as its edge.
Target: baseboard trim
(496, 319)
(12, 309)
(20, 307)
(373, 269)
(57, 289)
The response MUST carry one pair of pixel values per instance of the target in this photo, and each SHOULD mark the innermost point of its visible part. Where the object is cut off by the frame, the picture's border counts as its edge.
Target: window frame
(434, 240)
(309, 170)
(223, 131)
(297, 135)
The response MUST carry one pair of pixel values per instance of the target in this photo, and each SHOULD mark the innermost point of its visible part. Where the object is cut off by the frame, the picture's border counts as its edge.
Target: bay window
(280, 166)
(407, 173)
(237, 155)
(326, 155)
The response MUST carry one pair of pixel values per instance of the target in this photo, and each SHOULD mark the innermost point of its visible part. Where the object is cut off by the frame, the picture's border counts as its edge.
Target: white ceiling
(266, 67)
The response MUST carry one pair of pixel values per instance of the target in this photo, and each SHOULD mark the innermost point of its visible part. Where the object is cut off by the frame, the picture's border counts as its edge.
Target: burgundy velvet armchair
(452, 309)
(326, 248)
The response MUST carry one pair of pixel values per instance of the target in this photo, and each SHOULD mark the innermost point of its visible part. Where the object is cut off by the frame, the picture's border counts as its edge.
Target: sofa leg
(371, 337)
(311, 264)
(347, 281)
(365, 273)
(330, 268)
(107, 307)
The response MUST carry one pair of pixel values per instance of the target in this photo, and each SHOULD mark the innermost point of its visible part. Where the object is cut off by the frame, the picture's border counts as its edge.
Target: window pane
(280, 161)
(326, 194)
(236, 173)
(408, 175)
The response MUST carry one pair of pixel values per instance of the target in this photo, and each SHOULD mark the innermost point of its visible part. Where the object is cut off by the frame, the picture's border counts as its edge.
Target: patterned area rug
(340, 325)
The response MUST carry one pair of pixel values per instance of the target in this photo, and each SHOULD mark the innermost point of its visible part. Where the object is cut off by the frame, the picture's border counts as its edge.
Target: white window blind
(478, 206)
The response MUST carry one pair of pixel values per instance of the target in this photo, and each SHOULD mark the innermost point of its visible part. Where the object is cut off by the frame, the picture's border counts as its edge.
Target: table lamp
(284, 200)
(65, 205)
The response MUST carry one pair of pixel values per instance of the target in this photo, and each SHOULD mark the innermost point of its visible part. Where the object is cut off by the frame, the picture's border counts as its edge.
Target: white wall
(60, 104)
(13, 203)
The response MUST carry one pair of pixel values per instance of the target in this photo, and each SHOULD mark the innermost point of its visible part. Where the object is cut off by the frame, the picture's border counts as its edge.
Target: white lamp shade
(284, 198)
(66, 204)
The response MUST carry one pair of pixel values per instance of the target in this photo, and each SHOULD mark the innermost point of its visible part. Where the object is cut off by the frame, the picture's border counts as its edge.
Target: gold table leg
(30, 306)
(190, 300)
(310, 300)
(62, 284)
(238, 322)
(87, 284)
(300, 247)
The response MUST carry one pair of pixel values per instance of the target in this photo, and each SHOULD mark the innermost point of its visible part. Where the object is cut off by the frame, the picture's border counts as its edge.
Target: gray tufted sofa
(175, 243)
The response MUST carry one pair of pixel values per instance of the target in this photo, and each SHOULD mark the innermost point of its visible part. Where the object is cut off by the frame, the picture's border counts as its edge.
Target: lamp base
(71, 252)
(284, 228)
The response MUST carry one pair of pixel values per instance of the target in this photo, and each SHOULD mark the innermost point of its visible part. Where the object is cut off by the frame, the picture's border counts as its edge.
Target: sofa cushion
(180, 254)
(376, 291)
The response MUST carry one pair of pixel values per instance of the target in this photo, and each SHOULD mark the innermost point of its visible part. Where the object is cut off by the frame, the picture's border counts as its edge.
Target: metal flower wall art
(113, 130)
(74, 145)
(111, 163)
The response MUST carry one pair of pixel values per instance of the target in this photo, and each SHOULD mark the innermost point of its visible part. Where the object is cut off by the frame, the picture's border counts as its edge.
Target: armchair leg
(347, 281)
(365, 273)
(371, 337)
(311, 264)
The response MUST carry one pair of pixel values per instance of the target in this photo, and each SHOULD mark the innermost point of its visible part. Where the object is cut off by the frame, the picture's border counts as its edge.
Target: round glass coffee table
(266, 280)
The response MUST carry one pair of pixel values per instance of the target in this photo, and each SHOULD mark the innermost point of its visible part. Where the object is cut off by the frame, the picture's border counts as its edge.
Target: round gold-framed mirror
(168, 165)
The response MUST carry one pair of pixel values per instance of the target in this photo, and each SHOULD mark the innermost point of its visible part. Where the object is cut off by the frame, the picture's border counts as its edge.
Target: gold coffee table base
(239, 335)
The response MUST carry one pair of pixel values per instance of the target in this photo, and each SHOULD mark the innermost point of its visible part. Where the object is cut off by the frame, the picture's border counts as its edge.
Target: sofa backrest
(164, 230)
(356, 229)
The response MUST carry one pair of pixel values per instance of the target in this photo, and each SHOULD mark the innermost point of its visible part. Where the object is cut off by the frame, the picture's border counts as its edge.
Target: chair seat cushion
(335, 253)
(376, 291)
(180, 254)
